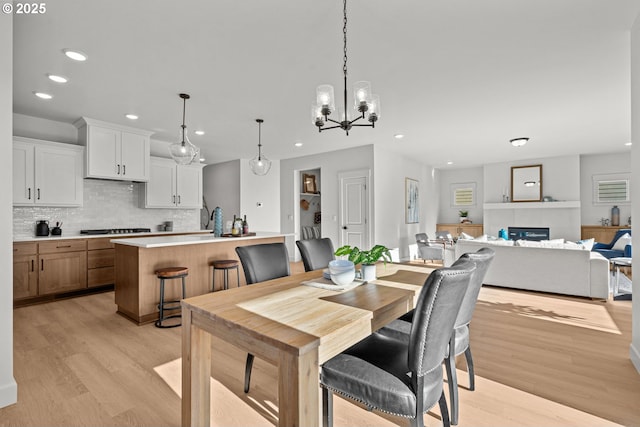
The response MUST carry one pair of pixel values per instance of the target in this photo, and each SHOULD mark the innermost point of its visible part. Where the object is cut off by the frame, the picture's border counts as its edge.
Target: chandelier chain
(344, 31)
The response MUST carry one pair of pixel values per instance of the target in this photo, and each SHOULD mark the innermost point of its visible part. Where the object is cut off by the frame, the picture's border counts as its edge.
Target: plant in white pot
(464, 216)
(366, 259)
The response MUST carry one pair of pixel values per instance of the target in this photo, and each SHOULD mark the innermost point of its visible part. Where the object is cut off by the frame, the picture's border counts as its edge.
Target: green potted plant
(464, 215)
(366, 259)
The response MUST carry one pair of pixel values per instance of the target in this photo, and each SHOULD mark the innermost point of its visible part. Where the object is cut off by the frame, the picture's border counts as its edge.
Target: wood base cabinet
(25, 270)
(474, 230)
(63, 266)
(601, 234)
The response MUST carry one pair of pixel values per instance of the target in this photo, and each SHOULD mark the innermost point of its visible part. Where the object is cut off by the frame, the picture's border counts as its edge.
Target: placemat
(328, 284)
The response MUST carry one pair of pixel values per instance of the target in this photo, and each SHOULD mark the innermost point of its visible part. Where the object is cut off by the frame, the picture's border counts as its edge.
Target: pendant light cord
(259, 139)
(344, 66)
(184, 109)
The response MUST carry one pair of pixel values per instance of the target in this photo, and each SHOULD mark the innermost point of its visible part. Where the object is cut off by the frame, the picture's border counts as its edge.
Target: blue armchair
(606, 248)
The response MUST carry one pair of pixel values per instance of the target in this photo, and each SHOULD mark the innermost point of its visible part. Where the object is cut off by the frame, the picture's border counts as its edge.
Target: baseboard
(8, 393)
(634, 354)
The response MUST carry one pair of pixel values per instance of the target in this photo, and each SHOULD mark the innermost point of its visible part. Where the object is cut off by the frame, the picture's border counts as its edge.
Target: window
(611, 188)
(463, 194)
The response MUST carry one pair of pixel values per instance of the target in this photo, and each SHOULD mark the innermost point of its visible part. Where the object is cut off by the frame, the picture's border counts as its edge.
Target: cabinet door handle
(38, 194)
(124, 169)
(178, 199)
(65, 246)
(32, 266)
(29, 189)
(118, 170)
(174, 199)
(41, 265)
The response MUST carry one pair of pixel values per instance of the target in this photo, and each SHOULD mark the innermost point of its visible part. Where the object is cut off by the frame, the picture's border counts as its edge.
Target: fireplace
(529, 233)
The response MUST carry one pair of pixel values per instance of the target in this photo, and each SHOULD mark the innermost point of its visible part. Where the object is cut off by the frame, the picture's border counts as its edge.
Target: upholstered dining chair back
(435, 315)
(482, 258)
(316, 253)
(264, 262)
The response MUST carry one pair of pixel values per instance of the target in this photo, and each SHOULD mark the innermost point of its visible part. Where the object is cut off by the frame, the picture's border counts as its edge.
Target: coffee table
(617, 263)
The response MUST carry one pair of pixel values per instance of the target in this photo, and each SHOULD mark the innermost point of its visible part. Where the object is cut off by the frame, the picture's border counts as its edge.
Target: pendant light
(260, 165)
(184, 152)
(366, 104)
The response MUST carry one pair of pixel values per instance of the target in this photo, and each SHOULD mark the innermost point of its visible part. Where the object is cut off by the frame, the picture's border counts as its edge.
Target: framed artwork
(463, 194)
(309, 183)
(411, 201)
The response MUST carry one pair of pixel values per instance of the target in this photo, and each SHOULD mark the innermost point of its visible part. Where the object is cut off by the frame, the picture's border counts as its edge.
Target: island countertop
(166, 241)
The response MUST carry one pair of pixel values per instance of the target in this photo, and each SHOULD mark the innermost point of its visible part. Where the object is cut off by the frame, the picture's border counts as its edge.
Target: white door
(23, 174)
(160, 191)
(354, 210)
(103, 153)
(189, 187)
(135, 157)
(58, 176)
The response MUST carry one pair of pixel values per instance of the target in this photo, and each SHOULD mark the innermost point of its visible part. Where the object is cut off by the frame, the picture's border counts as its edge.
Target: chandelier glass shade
(366, 105)
(183, 152)
(260, 165)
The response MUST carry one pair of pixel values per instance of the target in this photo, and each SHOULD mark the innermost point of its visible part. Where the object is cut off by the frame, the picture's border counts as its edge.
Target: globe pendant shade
(183, 152)
(260, 165)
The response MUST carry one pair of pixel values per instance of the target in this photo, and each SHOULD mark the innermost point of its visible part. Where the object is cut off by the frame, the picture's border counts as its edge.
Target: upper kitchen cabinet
(173, 186)
(113, 151)
(46, 173)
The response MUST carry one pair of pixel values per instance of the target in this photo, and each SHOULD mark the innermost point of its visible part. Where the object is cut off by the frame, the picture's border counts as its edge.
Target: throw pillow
(482, 238)
(573, 245)
(587, 243)
(465, 236)
(622, 242)
(553, 243)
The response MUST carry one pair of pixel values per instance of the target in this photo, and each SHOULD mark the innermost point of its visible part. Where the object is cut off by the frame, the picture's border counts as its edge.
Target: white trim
(634, 355)
(8, 393)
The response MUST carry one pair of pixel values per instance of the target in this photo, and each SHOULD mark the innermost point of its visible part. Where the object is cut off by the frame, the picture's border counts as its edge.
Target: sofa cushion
(587, 243)
(622, 242)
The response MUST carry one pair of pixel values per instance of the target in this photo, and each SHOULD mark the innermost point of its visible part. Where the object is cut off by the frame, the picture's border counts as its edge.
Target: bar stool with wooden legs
(168, 273)
(225, 265)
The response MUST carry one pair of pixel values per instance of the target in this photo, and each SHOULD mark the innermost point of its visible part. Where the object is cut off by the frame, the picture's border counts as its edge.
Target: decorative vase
(368, 272)
(217, 221)
(615, 216)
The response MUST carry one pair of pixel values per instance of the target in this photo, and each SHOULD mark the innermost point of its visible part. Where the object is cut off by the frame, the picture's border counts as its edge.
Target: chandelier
(366, 105)
(184, 152)
(260, 165)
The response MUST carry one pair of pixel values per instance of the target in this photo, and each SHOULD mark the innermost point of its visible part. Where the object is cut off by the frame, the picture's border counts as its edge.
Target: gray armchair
(429, 249)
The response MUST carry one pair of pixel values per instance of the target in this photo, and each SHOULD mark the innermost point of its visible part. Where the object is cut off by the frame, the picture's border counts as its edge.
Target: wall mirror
(526, 183)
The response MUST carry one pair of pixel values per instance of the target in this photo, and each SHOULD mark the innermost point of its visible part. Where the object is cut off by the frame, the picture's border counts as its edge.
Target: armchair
(606, 249)
(429, 249)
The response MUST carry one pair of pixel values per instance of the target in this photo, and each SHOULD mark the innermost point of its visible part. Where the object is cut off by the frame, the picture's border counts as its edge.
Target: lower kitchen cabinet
(25, 270)
(100, 262)
(474, 230)
(62, 266)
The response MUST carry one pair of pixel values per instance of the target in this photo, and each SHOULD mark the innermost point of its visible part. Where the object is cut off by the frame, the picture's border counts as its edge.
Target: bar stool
(225, 265)
(166, 274)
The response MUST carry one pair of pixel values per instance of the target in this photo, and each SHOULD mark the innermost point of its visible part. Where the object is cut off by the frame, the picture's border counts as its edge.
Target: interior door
(354, 210)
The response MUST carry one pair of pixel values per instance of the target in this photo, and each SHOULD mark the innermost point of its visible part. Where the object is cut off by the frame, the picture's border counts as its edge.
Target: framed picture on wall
(309, 183)
(411, 201)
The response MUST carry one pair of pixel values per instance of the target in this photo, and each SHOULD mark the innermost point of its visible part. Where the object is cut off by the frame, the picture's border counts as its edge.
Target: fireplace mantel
(533, 205)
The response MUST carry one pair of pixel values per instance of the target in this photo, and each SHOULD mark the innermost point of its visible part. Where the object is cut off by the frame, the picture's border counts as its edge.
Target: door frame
(357, 173)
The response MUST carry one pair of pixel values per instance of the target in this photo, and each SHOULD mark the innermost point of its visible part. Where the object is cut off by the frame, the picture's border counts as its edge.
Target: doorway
(355, 208)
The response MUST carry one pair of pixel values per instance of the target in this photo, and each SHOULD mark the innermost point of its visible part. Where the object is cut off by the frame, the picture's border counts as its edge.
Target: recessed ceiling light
(42, 95)
(449, 163)
(131, 116)
(519, 142)
(398, 136)
(202, 159)
(628, 144)
(199, 132)
(298, 144)
(75, 55)
(57, 79)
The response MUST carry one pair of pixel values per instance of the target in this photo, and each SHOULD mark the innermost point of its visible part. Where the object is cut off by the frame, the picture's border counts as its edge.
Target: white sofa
(577, 272)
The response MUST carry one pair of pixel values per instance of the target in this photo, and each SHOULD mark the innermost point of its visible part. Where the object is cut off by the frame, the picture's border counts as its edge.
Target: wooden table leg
(299, 390)
(196, 373)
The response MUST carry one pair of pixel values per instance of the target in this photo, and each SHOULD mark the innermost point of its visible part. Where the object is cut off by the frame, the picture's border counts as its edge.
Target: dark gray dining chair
(316, 253)
(402, 377)
(261, 263)
(429, 250)
(401, 328)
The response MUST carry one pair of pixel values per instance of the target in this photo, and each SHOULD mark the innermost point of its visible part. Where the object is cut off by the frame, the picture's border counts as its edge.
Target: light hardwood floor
(541, 360)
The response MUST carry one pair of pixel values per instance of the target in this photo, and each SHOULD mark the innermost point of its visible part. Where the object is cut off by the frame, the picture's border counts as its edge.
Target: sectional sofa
(578, 272)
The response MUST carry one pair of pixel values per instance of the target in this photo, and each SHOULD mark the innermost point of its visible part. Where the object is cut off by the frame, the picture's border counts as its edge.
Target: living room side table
(617, 263)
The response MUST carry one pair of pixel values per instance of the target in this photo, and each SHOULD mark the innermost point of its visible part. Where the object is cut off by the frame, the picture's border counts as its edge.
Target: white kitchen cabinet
(113, 151)
(173, 186)
(47, 173)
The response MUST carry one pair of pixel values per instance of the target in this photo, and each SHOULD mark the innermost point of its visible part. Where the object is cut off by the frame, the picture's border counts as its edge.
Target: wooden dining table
(294, 326)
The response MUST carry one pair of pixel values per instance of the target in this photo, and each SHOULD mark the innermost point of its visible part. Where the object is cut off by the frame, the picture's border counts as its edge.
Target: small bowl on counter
(342, 272)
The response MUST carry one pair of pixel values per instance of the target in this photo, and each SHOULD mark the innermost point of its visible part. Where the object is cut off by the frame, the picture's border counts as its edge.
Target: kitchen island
(137, 290)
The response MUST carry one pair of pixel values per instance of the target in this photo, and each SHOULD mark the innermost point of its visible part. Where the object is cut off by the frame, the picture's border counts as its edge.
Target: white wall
(35, 127)
(221, 187)
(263, 190)
(601, 164)
(390, 228)
(331, 164)
(448, 214)
(634, 350)
(8, 387)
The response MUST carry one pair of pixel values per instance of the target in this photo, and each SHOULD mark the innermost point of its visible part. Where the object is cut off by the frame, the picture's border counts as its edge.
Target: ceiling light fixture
(298, 144)
(449, 162)
(42, 95)
(199, 132)
(365, 101)
(75, 55)
(519, 142)
(260, 165)
(628, 144)
(57, 79)
(398, 136)
(184, 152)
(131, 116)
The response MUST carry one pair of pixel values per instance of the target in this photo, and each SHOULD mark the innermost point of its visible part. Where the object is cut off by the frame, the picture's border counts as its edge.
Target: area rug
(624, 286)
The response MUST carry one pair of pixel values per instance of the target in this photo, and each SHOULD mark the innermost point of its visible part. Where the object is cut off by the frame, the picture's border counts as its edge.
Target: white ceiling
(458, 77)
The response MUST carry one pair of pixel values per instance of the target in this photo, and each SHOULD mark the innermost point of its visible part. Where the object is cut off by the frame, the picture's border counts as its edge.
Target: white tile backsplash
(107, 204)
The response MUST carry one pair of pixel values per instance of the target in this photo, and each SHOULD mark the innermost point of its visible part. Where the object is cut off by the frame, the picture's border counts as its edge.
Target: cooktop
(116, 231)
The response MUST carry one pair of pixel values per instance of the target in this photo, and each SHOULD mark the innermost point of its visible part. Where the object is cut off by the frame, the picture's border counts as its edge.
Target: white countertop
(95, 236)
(164, 241)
